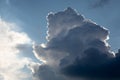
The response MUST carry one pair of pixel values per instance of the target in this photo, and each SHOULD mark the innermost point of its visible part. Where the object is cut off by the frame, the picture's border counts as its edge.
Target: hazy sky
(23, 23)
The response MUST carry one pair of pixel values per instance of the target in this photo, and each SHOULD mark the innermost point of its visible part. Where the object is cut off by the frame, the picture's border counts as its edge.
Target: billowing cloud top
(76, 48)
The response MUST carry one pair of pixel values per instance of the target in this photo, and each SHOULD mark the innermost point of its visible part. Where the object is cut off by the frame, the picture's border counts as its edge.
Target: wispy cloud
(7, 2)
(100, 3)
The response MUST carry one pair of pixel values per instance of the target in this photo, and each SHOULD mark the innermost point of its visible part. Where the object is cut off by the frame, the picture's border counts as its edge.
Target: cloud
(6, 2)
(11, 63)
(76, 48)
(100, 3)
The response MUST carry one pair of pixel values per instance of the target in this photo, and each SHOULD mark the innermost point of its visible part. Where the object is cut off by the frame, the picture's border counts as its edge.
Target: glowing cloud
(10, 61)
(76, 48)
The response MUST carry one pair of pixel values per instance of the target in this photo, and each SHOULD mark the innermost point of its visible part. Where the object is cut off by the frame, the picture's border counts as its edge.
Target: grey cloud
(26, 49)
(63, 21)
(100, 3)
(76, 48)
(44, 72)
(93, 65)
(1, 77)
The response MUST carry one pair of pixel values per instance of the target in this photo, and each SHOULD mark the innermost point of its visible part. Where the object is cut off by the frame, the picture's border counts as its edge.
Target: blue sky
(29, 19)
(31, 15)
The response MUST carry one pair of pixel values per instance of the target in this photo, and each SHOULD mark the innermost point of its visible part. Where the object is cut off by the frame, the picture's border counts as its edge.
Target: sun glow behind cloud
(11, 63)
(76, 49)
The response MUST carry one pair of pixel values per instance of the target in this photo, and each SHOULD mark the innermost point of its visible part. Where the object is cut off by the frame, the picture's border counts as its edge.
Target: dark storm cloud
(76, 48)
(100, 3)
(94, 66)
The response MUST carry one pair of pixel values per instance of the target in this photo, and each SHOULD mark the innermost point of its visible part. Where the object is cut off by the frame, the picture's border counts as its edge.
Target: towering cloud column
(76, 48)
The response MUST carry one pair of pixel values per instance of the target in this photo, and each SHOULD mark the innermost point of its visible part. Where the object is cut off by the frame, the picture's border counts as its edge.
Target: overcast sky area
(59, 39)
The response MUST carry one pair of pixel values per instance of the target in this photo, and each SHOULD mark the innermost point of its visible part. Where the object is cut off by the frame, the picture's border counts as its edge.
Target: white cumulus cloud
(11, 64)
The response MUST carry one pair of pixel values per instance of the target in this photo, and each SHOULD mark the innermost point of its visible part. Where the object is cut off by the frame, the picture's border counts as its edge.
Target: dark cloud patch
(76, 48)
(94, 65)
(100, 3)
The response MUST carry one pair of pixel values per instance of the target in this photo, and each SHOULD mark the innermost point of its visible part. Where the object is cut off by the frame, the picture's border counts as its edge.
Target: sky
(33, 31)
